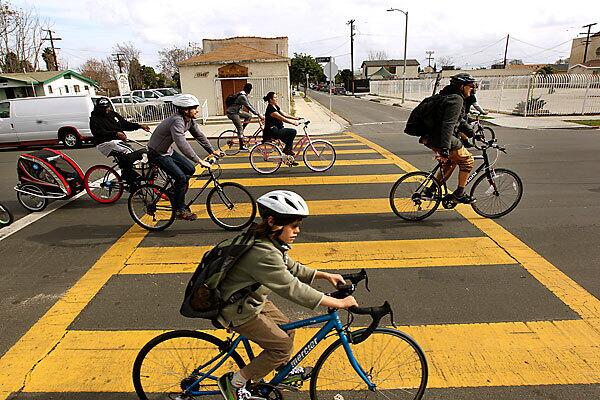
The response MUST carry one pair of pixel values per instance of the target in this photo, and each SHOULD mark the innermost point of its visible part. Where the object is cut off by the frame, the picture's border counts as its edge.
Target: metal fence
(533, 95)
(148, 113)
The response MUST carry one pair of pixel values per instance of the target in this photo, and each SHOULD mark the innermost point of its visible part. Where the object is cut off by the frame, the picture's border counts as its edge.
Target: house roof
(233, 52)
(44, 76)
(410, 62)
(588, 64)
(384, 73)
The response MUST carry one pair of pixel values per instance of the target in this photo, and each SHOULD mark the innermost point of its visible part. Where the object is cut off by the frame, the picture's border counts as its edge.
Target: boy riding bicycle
(268, 264)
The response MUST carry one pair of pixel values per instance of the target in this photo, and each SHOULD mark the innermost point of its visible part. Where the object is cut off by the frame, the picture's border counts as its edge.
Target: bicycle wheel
(488, 133)
(6, 217)
(319, 156)
(151, 207)
(266, 158)
(103, 184)
(498, 194)
(392, 361)
(172, 363)
(228, 142)
(409, 199)
(231, 206)
(32, 200)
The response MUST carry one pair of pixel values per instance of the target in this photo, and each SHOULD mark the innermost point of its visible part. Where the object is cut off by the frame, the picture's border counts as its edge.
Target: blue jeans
(180, 169)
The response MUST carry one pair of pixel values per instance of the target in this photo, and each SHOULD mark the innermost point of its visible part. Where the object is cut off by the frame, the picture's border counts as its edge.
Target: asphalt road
(117, 293)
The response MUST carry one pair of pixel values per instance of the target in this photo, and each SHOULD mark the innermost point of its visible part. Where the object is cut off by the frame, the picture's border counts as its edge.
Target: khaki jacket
(266, 263)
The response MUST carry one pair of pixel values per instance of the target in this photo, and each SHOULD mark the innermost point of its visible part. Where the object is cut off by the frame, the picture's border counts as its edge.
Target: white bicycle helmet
(282, 204)
(186, 101)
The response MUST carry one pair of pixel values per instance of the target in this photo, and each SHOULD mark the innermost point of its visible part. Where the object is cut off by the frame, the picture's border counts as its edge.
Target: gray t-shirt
(172, 130)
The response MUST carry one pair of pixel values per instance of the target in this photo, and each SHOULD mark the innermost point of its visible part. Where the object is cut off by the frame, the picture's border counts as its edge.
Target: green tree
(48, 57)
(303, 64)
(546, 70)
(345, 77)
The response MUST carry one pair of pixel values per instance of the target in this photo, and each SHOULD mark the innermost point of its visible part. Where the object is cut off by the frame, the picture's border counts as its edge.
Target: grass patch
(587, 122)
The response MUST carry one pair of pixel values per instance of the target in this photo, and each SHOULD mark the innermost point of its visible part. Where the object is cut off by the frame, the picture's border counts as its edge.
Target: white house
(45, 83)
(230, 64)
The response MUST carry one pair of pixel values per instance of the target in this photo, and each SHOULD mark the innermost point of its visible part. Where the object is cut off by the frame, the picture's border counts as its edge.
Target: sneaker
(429, 192)
(186, 215)
(464, 199)
(244, 148)
(231, 393)
(297, 375)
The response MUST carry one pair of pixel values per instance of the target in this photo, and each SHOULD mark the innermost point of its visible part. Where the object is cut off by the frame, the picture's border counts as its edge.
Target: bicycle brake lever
(367, 281)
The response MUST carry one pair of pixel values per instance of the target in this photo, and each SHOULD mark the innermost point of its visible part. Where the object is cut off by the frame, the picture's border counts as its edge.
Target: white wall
(58, 87)
(203, 82)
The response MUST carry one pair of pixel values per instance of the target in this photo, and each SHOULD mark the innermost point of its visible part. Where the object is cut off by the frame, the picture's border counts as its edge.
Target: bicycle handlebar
(376, 313)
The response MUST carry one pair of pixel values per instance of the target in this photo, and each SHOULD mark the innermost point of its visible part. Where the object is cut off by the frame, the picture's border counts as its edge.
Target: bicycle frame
(483, 166)
(332, 322)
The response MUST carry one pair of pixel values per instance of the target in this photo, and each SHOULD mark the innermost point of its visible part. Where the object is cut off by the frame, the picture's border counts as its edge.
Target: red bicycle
(318, 155)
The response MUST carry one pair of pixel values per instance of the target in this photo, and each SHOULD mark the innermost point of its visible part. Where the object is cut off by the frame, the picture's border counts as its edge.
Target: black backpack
(230, 100)
(428, 108)
(202, 297)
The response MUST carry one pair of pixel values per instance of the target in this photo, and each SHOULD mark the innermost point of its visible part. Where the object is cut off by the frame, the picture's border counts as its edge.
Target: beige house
(394, 67)
(589, 67)
(228, 64)
(578, 50)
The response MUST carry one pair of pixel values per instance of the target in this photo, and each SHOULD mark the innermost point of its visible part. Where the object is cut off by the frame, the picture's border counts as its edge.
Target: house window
(391, 69)
(76, 88)
(66, 88)
(87, 88)
(49, 89)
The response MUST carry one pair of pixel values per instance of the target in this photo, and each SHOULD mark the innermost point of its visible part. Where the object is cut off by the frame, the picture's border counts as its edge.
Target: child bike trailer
(44, 175)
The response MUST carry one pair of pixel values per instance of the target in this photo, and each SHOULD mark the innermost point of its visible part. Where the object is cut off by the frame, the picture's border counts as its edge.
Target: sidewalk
(504, 120)
(312, 111)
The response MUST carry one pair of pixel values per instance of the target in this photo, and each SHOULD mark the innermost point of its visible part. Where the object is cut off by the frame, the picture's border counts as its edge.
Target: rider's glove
(466, 143)
(204, 164)
(444, 153)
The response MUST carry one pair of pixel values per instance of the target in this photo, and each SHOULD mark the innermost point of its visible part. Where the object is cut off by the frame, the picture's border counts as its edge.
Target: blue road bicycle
(365, 363)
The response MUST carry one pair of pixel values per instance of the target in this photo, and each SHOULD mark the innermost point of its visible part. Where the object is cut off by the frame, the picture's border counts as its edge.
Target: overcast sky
(471, 34)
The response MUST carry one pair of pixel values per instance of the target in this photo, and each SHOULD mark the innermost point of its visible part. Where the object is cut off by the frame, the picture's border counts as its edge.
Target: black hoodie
(104, 126)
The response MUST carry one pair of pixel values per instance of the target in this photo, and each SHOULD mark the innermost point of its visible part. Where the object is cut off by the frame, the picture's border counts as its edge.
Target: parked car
(45, 120)
(339, 90)
(168, 91)
(135, 107)
(152, 94)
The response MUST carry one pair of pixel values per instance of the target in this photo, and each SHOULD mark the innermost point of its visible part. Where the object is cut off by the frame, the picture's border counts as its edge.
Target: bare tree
(377, 55)
(21, 34)
(103, 73)
(445, 61)
(168, 58)
(129, 53)
(515, 62)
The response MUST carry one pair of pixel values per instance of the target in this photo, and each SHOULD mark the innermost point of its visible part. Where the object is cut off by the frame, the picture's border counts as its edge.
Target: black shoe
(429, 192)
(464, 199)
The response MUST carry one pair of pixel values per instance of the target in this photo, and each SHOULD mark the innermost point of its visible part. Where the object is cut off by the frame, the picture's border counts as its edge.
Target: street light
(405, 39)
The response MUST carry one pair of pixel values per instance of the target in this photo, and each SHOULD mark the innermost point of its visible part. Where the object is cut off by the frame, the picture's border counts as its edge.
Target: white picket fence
(533, 95)
(154, 112)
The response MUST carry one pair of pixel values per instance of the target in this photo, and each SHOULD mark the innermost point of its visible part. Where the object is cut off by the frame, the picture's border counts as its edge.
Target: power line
(319, 40)
(587, 39)
(540, 47)
(337, 48)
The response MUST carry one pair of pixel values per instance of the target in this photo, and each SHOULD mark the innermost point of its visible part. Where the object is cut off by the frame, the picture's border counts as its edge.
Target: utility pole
(587, 39)
(119, 61)
(506, 50)
(429, 58)
(52, 39)
(351, 23)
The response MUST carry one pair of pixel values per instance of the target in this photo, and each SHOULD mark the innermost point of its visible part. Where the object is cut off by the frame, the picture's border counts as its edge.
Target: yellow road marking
(16, 363)
(340, 151)
(345, 255)
(459, 355)
(309, 180)
(565, 288)
(338, 163)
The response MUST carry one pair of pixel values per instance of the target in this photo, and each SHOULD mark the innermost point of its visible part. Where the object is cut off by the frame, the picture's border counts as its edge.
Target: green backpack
(202, 298)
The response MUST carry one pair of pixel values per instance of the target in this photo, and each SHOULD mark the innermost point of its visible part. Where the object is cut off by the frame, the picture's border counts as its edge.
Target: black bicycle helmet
(103, 102)
(462, 79)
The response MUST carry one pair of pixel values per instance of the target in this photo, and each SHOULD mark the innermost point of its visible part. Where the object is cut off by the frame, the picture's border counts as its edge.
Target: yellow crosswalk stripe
(459, 355)
(337, 151)
(309, 180)
(338, 163)
(342, 255)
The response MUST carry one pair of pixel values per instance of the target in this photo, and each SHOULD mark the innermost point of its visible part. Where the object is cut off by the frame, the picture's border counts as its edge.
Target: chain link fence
(149, 113)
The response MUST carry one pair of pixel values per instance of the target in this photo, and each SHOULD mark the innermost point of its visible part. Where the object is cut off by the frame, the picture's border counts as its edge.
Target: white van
(45, 120)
